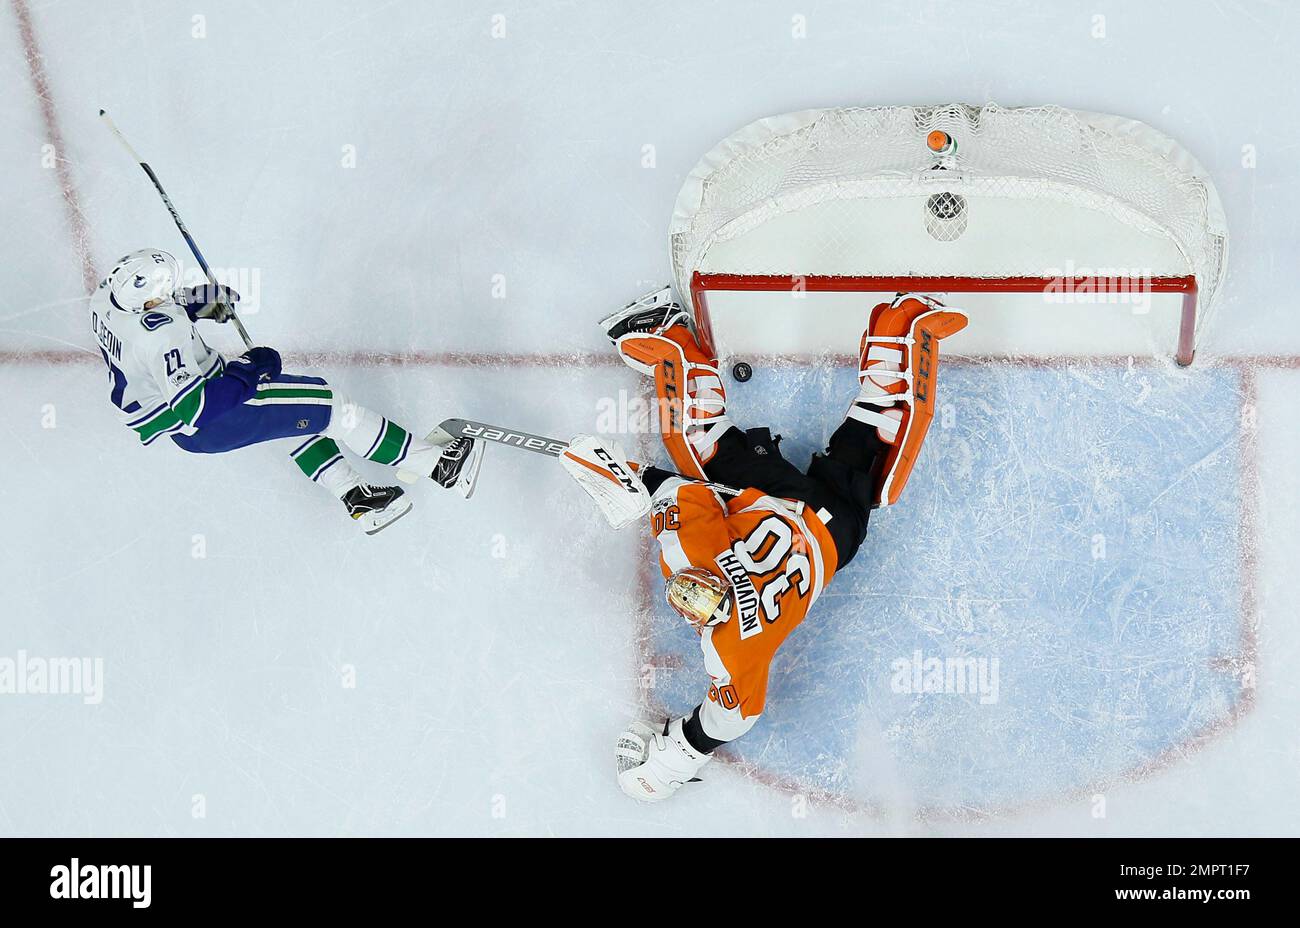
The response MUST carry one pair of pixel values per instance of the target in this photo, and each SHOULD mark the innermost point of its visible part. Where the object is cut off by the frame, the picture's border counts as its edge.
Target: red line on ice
(62, 169)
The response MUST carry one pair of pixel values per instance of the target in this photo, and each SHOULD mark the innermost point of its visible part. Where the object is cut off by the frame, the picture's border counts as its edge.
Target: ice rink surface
(431, 203)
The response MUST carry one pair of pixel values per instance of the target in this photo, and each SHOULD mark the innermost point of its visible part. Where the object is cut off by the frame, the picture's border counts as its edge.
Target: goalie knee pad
(692, 399)
(897, 366)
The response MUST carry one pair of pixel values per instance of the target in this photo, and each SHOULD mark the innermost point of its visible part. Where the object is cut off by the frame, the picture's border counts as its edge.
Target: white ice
(431, 203)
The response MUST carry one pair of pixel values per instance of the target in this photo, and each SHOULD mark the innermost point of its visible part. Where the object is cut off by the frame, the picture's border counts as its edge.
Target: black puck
(741, 371)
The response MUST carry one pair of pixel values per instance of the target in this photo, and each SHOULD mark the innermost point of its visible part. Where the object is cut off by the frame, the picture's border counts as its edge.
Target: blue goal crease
(1070, 534)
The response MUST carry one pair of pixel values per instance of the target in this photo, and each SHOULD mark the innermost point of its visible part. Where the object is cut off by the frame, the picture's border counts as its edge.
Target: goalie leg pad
(691, 397)
(898, 365)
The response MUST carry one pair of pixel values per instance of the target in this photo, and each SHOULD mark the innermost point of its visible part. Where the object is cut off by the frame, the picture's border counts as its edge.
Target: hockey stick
(526, 441)
(176, 218)
(449, 429)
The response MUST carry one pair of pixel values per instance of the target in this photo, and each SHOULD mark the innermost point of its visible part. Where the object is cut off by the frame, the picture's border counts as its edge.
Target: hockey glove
(603, 472)
(254, 366)
(207, 301)
(653, 762)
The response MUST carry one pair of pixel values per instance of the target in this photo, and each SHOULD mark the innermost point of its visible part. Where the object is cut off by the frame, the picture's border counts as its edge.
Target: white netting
(1028, 191)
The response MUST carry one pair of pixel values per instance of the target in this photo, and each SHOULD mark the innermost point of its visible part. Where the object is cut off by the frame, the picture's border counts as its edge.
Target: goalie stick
(449, 429)
(176, 218)
(600, 470)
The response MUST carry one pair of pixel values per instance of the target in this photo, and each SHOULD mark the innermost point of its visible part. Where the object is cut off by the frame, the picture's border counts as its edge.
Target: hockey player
(165, 380)
(747, 540)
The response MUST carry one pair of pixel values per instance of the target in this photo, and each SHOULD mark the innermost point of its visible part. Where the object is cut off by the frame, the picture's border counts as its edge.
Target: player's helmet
(700, 597)
(141, 278)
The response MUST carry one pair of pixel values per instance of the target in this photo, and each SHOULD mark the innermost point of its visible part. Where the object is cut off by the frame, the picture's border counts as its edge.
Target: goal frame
(1023, 200)
(703, 283)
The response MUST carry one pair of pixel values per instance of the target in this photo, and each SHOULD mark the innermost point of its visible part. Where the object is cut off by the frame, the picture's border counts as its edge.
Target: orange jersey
(777, 557)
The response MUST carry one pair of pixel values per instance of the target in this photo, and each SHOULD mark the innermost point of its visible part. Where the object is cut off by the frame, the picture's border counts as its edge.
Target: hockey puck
(742, 371)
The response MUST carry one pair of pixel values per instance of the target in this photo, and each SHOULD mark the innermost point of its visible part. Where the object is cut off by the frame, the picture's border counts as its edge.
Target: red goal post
(1019, 201)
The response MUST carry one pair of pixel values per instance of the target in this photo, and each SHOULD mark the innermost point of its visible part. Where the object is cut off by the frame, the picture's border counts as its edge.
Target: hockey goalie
(747, 540)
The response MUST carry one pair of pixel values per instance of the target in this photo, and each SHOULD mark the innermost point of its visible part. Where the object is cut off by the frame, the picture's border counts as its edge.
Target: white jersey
(157, 362)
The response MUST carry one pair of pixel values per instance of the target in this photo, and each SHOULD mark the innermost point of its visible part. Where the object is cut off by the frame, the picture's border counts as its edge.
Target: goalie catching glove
(603, 472)
(653, 764)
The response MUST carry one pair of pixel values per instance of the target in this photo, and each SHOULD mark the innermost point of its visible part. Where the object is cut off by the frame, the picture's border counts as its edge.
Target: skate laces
(655, 320)
(456, 450)
(365, 503)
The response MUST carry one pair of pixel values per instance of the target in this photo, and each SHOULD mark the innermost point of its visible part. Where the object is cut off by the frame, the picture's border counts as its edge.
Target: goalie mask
(701, 598)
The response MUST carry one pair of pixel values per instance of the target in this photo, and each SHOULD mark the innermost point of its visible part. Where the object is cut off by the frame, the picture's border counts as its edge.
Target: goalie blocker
(606, 475)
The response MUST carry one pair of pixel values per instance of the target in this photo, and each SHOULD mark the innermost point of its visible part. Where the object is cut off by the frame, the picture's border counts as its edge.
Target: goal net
(1059, 231)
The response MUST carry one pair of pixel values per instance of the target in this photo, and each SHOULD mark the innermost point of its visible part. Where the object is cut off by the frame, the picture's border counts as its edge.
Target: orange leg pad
(927, 329)
(691, 398)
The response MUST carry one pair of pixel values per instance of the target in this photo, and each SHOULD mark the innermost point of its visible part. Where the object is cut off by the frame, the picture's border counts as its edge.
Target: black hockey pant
(842, 481)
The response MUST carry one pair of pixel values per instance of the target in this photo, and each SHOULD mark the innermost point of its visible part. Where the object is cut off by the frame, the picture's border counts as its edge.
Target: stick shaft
(525, 441)
(176, 218)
